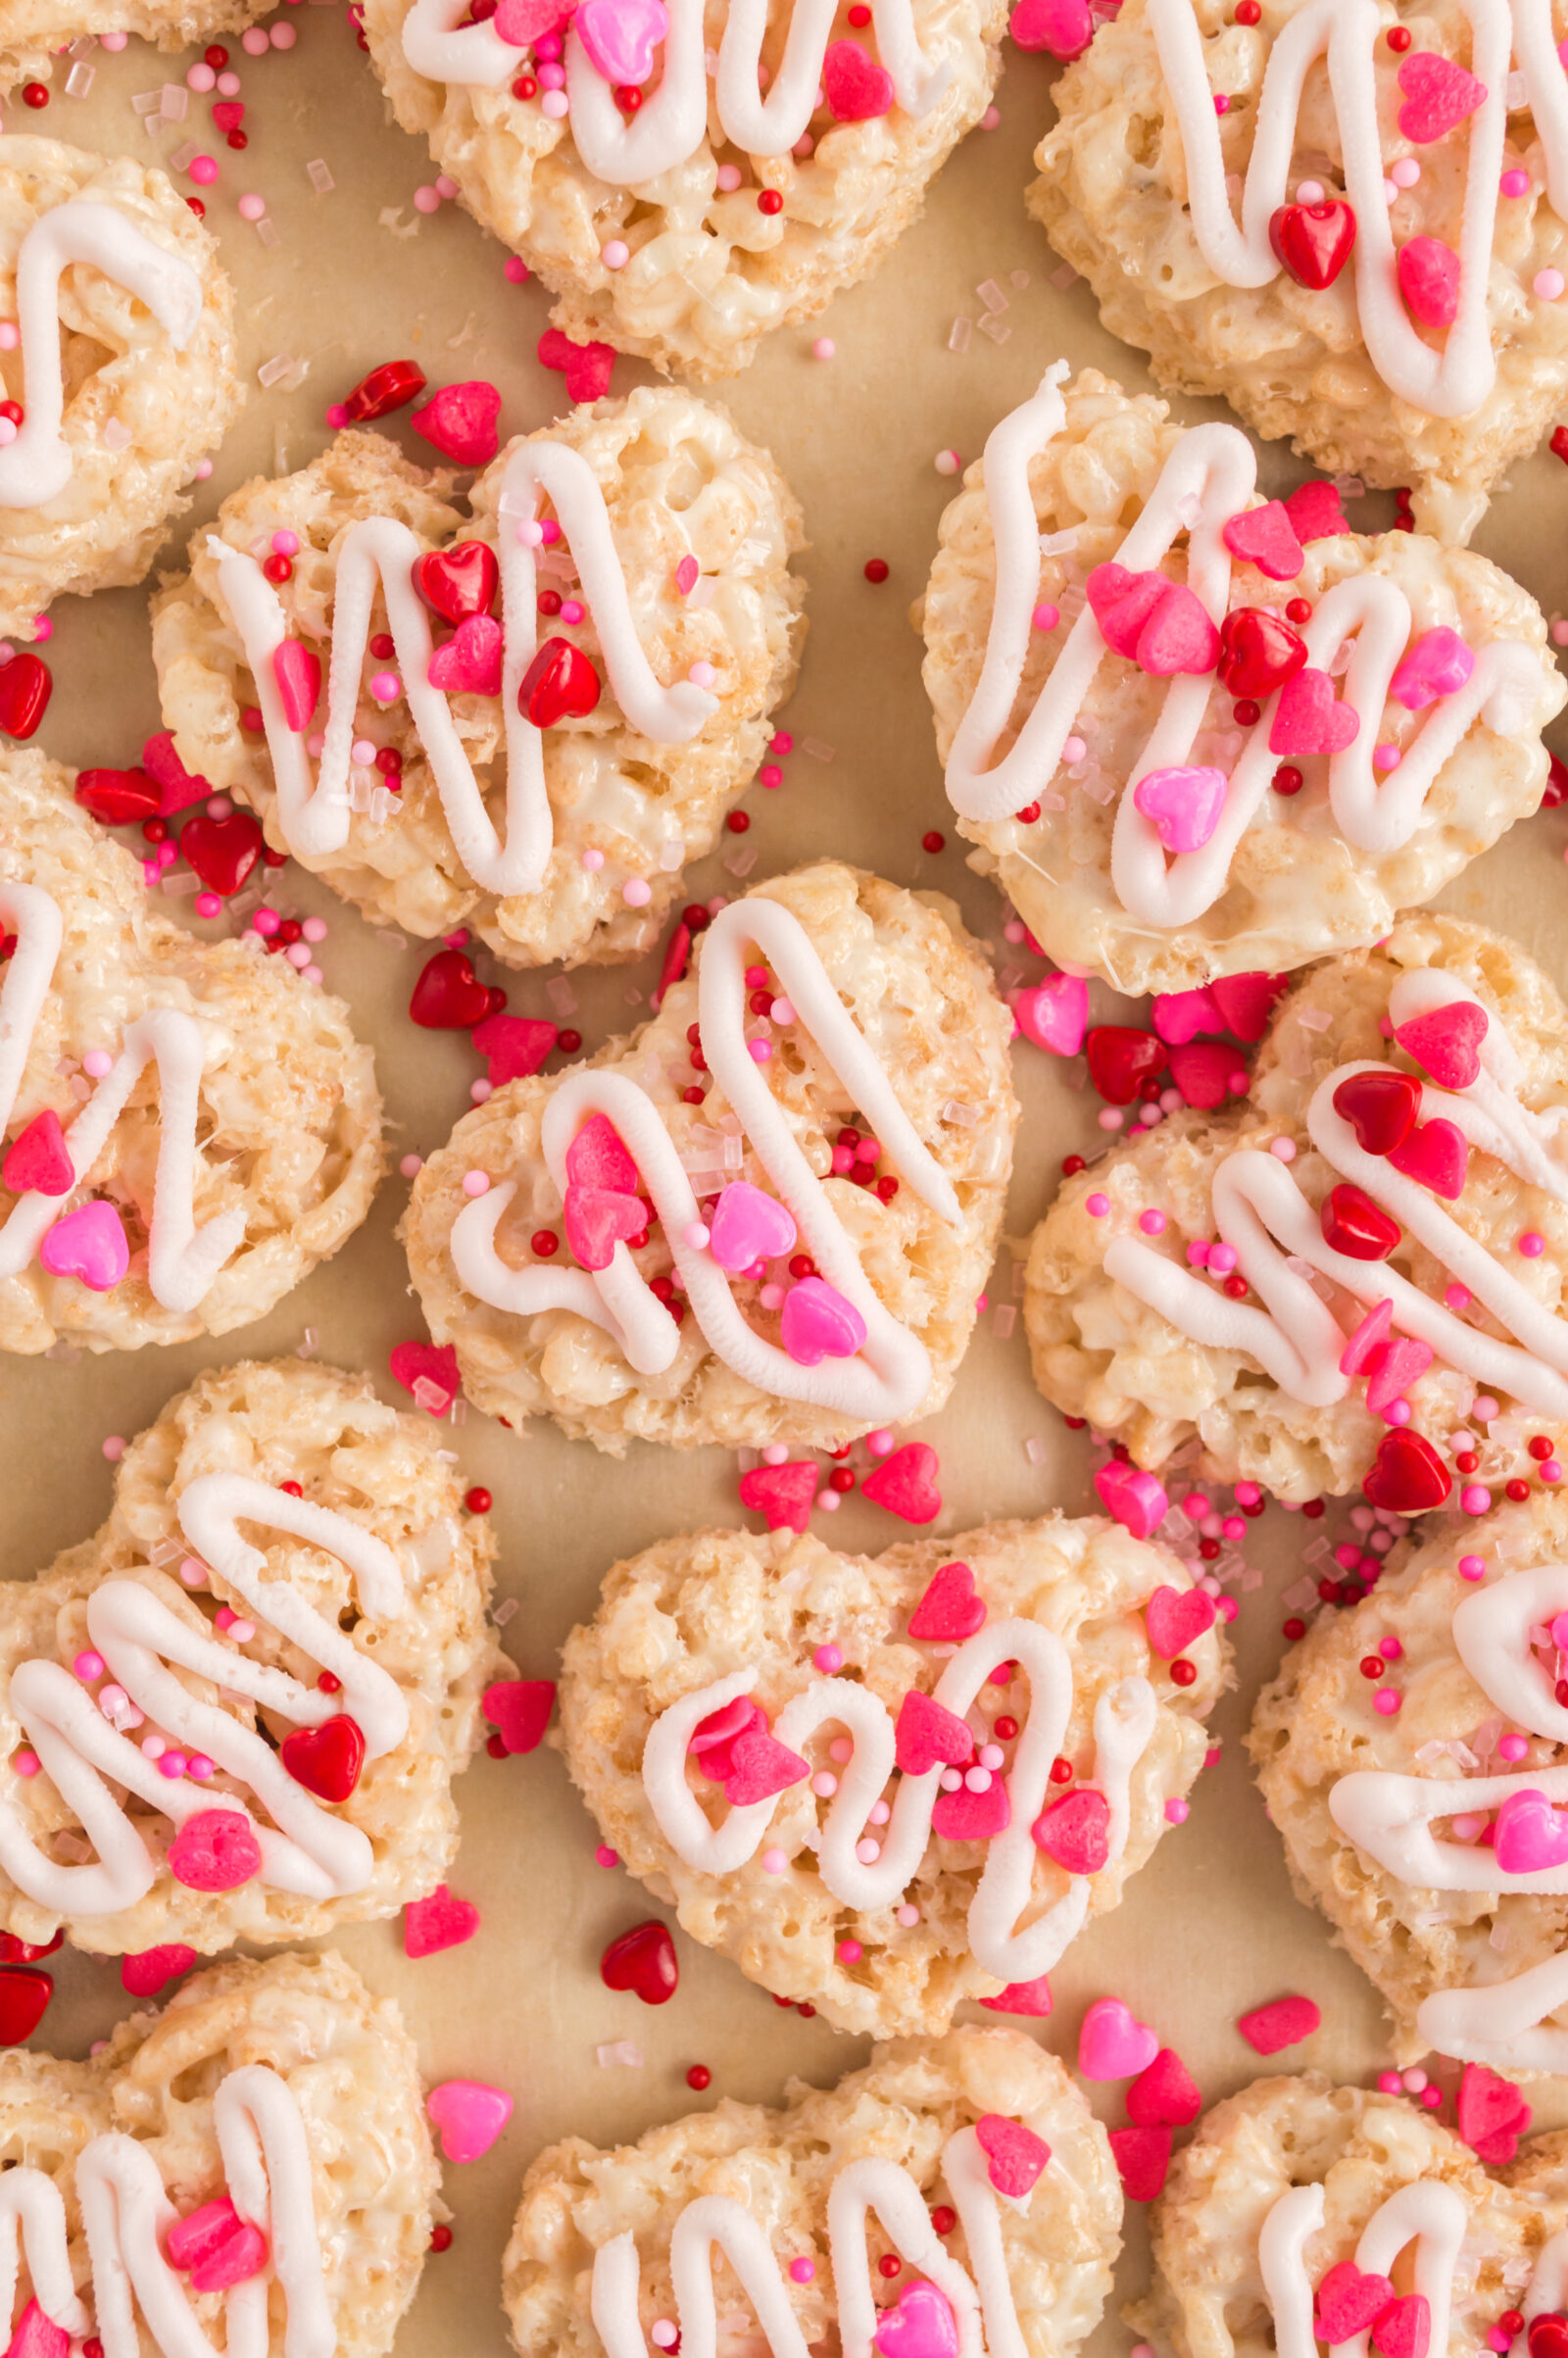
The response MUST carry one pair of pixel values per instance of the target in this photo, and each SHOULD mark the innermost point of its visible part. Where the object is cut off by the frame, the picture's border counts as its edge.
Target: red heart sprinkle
(950, 1608)
(520, 1710)
(222, 850)
(1352, 1225)
(1032, 1998)
(927, 1732)
(147, 1971)
(1202, 1070)
(587, 366)
(229, 114)
(514, 1047)
(438, 1921)
(390, 387)
(1315, 512)
(326, 1760)
(1121, 1060)
(1075, 1830)
(1143, 2158)
(643, 1960)
(1407, 1476)
(1447, 1042)
(413, 1364)
(1434, 1156)
(1165, 2096)
(906, 1484)
(26, 684)
(28, 1952)
(448, 996)
(560, 684)
(25, 1992)
(459, 581)
(460, 421)
(1381, 1107)
(39, 1163)
(1493, 2115)
(1282, 2022)
(1014, 2156)
(783, 1494)
(1313, 242)
(856, 88)
(118, 797)
(1259, 651)
(1246, 1001)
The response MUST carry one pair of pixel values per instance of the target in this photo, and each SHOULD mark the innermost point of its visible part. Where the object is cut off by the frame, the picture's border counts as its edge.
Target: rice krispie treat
(116, 346)
(186, 1127)
(1282, 2221)
(1426, 1834)
(703, 1720)
(972, 2158)
(1132, 660)
(1322, 1283)
(779, 1200)
(1347, 219)
(33, 31)
(619, 621)
(251, 2163)
(684, 223)
(212, 1734)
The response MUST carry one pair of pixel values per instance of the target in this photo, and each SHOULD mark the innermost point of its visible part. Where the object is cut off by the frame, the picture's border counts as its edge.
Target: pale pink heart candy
(1175, 1617)
(1428, 272)
(620, 37)
(926, 1733)
(1438, 96)
(1439, 664)
(1349, 2301)
(749, 1226)
(469, 2115)
(596, 1220)
(1493, 2115)
(1400, 1365)
(1266, 537)
(920, 2324)
(1180, 1015)
(1064, 27)
(856, 88)
(759, 1766)
(966, 1817)
(1112, 2044)
(469, 663)
(1404, 2329)
(37, 1161)
(1014, 2156)
(1184, 805)
(949, 1608)
(598, 1158)
(1530, 1834)
(215, 1850)
(298, 673)
(1309, 718)
(1437, 1154)
(1055, 1013)
(1447, 1042)
(89, 1243)
(1367, 1340)
(818, 1323)
(1135, 1498)
(1075, 1830)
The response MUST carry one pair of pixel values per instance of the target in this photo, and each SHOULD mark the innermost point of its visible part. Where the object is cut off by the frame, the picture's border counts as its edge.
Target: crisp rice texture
(1208, 2300)
(678, 481)
(284, 1420)
(35, 30)
(920, 991)
(1099, 1352)
(350, 2067)
(709, 273)
(1297, 890)
(121, 371)
(903, 2107)
(289, 1120)
(1112, 195)
(1315, 1723)
(692, 1610)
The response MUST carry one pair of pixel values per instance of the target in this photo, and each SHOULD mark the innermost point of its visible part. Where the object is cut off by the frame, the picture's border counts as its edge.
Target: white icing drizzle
(36, 466)
(982, 2303)
(183, 1259)
(316, 817)
(1124, 1722)
(306, 1848)
(1210, 475)
(1449, 381)
(1430, 2214)
(1261, 1212)
(889, 1378)
(672, 123)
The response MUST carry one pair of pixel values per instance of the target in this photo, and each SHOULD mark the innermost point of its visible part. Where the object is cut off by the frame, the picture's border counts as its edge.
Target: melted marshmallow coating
(1298, 889)
(1099, 1352)
(692, 1610)
(35, 30)
(920, 991)
(1208, 2299)
(121, 370)
(912, 2098)
(709, 274)
(1112, 195)
(346, 2060)
(678, 481)
(290, 1117)
(278, 1421)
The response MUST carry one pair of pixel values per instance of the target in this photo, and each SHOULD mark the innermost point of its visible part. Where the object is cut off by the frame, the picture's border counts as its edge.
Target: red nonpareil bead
(1121, 1058)
(278, 567)
(1516, 1489)
(1539, 1446)
(770, 201)
(560, 684)
(738, 822)
(698, 2077)
(34, 94)
(1399, 38)
(1028, 815)
(943, 2219)
(890, 2265)
(200, 210)
(478, 1501)
(440, 2239)
(390, 387)
(1312, 242)
(644, 1961)
(1288, 779)
(1352, 1225)
(876, 568)
(26, 684)
(1183, 1673)
(1294, 1629)
(1558, 444)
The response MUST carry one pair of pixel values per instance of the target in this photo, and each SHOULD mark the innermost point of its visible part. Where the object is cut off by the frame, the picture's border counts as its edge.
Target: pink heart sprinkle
(435, 1366)
(1438, 96)
(1112, 2044)
(215, 2247)
(1175, 1617)
(1530, 1835)
(469, 661)
(949, 1609)
(1439, 664)
(1246, 1001)
(1202, 1072)
(1282, 2022)
(38, 2335)
(215, 1850)
(1055, 1013)
(596, 1219)
(1266, 537)
(1315, 512)
(469, 2116)
(1135, 1500)
(588, 368)
(926, 1733)
(783, 1494)
(519, 1710)
(1122, 602)
(621, 36)
(1435, 1154)
(229, 114)
(179, 786)
(1447, 1042)
(760, 1767)
(37, 1161)
(1367, 1340)
(89, 1243)
(920, 2324)
(297, 669)
(1180, 1015)
(1309, 719)
(146, 1970)
(712, 1738)
(1428, 272)
(856, 88)
(1029, 1998)
(1178, 635)
(1404, 2329)
(514, 1047)
(1075, 1830)
(598, 1158)
(1184, 806)
(460, 421)
(906, 1484)
(438, 1921)
(1493, 2115)
(1350, 2302)
(1401, 1363)
(522, 23)
(747, 1226)
(818, 1323)
(1165, 2096)
(1064, 27)
(1142, 2159)
(1014, 2156)
(968, 1817)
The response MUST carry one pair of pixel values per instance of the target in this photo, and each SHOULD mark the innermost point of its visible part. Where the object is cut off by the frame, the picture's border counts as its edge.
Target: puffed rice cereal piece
(37, 30)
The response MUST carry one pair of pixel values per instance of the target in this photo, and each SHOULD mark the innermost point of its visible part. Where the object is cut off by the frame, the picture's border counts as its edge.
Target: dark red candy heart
(1381, 1107)
(1407, 1477)
(1259, 651)
(26, 1952)
(1548, 2335)
(1556, 790)
(560, 684)
(222, 850)
(26, 684)
(326, 1760)
(1313, 242)
(390, 387)
(459, 581)
(1121, 1060)
(643, 1960)
(1352, 1225)
(25, 1992)
(118, 797)
(449, 996)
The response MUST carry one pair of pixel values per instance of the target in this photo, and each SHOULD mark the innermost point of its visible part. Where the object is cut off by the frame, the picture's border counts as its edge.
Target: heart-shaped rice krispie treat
(937, 1851)
(251, 2164)
(619, 621)
(1345, 217)
(972, 2159)
(1322, 1283)
(1282, 2221)
(778, 1199)
(186, 1127)
(1417, 1805)
(1196, 733)
(684, 223)
(116, 333)
(35, 32)
(212, 1734)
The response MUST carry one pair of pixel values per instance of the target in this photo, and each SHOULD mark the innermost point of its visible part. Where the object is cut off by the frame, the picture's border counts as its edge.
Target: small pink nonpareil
(920, 2324)
(90, 1244)
(620, 37)
(1112, 2044)
(469, 2116)
(1175, 1617)
(749, 1225)
(1055, 1013)
(297, 669)
(1014, 2156)
(1266, 537)
(1439, 664)
(817, 1323)
(469, 663)
(1184, 806)
(1137, 1500)
(1530, 1835)
(39, 1160)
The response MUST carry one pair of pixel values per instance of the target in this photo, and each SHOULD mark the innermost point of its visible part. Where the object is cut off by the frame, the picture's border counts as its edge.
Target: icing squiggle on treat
(316, 817)
(984, 2316)
(672, 122)
(1209, 478)
(1124, 1722)
(126, 2212)
(183, 1259)
(37, 466)
(1430, 2214)
(305, 1848)
(1261, 1213)
(890, 1376)
(1451, 381)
